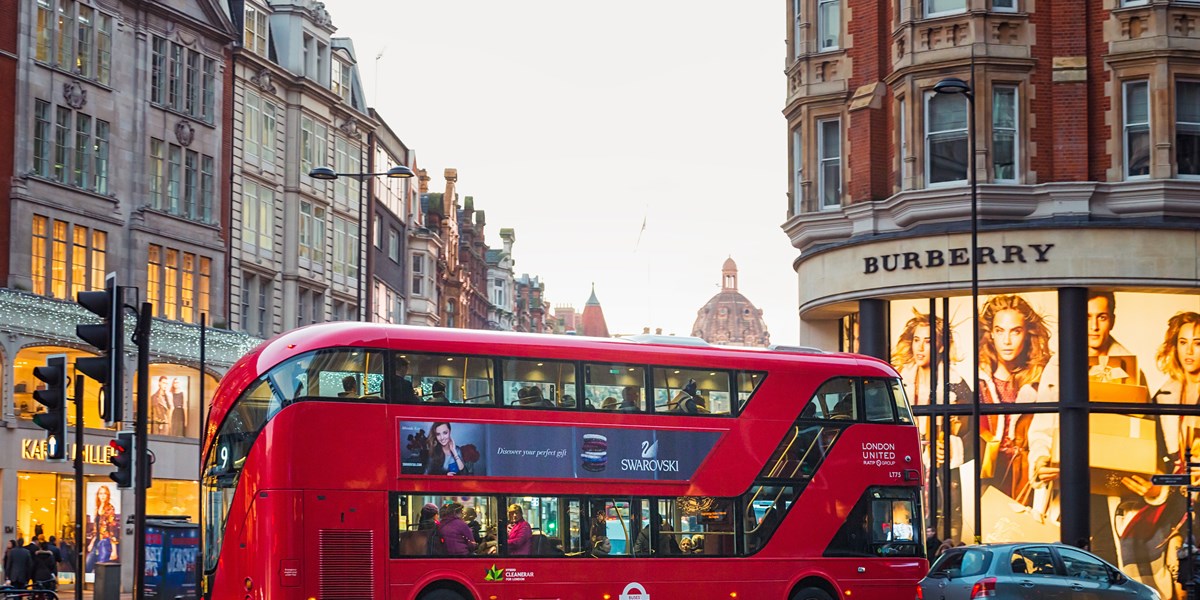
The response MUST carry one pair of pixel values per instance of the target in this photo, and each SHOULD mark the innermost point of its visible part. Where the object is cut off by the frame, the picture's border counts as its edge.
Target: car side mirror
(1116, 577)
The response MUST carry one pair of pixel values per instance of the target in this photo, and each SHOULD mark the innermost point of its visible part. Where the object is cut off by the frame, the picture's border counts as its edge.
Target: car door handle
(1077, 587)
(1027, 584)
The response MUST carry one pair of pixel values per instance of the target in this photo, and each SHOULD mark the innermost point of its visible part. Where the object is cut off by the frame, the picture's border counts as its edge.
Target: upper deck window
(747, 383)
(834, 400)
(438, 378)
(691, 391)
(614, 387)
(348, 373)
(538, 383)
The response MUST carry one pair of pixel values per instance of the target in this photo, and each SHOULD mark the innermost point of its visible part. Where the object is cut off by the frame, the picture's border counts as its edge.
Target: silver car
(1025, 572)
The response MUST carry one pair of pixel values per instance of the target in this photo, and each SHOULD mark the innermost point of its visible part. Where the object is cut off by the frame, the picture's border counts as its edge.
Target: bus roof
(655, 350)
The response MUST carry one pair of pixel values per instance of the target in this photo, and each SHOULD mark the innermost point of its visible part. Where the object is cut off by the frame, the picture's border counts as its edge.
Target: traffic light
(123, 459)
(54, 398)
(109, 338)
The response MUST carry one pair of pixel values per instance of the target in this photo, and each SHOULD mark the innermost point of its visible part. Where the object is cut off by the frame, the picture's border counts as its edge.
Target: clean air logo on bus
(635, 591)
(880, 454)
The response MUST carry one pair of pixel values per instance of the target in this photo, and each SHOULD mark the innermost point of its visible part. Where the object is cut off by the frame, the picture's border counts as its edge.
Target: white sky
(572, 122)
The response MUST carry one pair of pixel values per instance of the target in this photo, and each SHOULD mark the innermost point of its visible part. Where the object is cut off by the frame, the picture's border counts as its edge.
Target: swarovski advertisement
(499, 450)
(1141, 348)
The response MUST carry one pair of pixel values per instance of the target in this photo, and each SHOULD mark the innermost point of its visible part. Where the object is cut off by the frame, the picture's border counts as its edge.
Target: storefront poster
(1141, 348)
(499, 450)
(169, 405)
(103, 533)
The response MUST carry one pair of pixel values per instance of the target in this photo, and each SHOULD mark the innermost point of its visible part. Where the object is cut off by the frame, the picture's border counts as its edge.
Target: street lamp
(954, 85)
(328, 174)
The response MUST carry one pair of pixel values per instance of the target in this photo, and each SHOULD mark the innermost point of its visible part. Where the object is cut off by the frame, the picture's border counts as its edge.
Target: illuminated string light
(53, 322)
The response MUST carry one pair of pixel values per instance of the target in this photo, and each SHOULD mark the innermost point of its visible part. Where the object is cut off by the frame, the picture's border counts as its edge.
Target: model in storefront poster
(103, 526)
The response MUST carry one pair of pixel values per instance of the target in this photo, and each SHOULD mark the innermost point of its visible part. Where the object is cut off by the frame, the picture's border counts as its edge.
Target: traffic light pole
(141, 461)
(79, 524)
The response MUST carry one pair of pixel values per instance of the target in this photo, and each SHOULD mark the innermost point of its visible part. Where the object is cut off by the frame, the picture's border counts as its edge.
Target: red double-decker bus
(356, 460)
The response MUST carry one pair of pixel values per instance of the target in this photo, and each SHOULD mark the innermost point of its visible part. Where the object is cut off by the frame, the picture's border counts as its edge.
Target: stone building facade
(114, 163)
(1083, 129)
(296, 242)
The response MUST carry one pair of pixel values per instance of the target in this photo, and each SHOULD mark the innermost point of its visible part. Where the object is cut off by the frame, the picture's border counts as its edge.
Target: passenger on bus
(632, 401)
(429, 514)
(686, 400)
(532, 396)
(456, 535)
(610, 403)
(666, 541)
(439, 393)
(404, 387)
(520, 533)
(471, 518)
(349, 383)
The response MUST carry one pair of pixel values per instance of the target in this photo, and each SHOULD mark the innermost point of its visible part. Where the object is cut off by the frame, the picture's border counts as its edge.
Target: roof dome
(729, 317)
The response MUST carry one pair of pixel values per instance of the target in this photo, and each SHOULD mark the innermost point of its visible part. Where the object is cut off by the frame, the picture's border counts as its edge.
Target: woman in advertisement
(1014, 350)
(104, 530)
(444, 455)
(912, 358)
(1151, 530)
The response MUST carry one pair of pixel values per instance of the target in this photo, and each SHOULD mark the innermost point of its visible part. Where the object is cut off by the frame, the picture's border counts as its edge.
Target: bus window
(538, 383)
(534, 529)
(764, 507)
(450, 379)
(691, 391)
(903, 412)
(223, 468)
(343, 373)
(834, 400)
(747, 382)
(801, 452)
(617, 527)
(614, 387)
(884, 522)
(705, 525)
(415, 524)
(877, 396)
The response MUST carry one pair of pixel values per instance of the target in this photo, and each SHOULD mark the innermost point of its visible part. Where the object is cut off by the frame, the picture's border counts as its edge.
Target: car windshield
(962, 563)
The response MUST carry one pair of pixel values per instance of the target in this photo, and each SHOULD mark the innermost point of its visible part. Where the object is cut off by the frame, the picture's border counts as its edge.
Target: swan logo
(635, 591)
(649, 462)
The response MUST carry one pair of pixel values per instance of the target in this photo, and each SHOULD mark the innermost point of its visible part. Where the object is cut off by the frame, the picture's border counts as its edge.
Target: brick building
(1086, 145)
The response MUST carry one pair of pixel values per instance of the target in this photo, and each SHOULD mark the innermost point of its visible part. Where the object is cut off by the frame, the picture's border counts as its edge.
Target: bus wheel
(442, 594)
(811, 594)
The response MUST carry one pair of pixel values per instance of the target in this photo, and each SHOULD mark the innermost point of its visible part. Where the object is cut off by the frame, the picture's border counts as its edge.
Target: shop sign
(956, 257)
(93, 454)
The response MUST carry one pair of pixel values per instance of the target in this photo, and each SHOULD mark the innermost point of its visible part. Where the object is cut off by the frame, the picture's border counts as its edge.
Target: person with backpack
(45, 569)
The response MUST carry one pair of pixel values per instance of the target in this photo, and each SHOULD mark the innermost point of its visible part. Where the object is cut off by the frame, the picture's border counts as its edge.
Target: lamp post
(954, 85)
(328, 174)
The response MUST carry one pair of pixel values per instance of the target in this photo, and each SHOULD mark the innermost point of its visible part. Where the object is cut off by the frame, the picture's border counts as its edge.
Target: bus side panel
(345, 544)
(280, 543)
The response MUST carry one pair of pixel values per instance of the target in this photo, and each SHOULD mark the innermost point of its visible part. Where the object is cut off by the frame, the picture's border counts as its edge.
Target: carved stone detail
(185, 133)
(901, 47)
(321, 16)
(349, 126)
(263, 80)
(74, 94)
(1006, 32)
(795, 81)
(1185, 25)
(1134, 27)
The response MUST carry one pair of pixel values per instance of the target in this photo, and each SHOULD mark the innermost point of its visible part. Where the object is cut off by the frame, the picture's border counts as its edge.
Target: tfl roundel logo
(635, 591)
